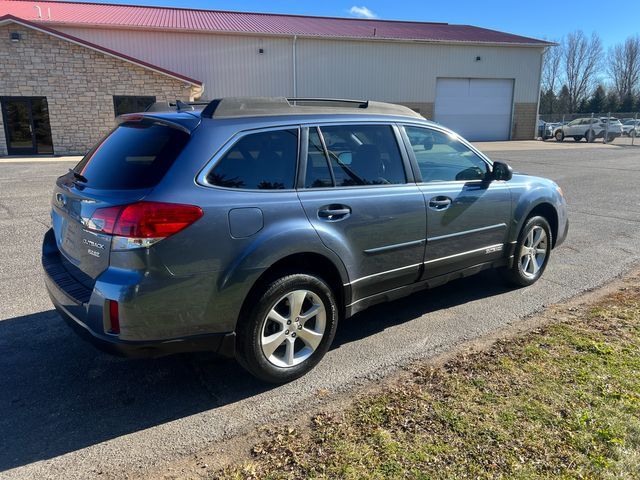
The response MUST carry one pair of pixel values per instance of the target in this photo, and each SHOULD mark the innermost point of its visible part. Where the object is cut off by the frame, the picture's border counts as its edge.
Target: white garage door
(476, 108)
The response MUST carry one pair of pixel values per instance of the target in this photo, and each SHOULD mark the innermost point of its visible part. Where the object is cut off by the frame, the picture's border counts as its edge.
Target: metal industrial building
(482, 83)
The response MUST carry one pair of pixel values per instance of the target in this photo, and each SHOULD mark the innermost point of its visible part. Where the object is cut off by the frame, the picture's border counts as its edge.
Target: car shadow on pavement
(59, 394)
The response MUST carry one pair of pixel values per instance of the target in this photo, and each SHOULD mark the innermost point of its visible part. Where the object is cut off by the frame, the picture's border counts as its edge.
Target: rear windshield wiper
(78, 176)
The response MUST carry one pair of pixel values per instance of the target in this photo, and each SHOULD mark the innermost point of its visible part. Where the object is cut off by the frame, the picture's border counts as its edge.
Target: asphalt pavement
(69, 411)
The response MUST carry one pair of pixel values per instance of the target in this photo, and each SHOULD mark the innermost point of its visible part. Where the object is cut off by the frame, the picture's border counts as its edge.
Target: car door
(468, 216)
(358, 192)
(574, 127)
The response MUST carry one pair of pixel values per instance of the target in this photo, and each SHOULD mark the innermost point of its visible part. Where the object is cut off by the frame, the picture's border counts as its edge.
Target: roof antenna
(39, 11)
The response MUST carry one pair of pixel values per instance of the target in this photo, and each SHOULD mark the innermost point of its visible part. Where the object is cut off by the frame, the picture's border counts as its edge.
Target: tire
(610, 139)
(525, 272)
(298, 344)
(590, 136)
(559, 136)
(577, 139)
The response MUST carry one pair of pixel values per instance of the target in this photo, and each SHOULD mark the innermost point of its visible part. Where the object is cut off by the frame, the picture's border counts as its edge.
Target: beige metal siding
(407, 72)
(227, 64)
(388, 71)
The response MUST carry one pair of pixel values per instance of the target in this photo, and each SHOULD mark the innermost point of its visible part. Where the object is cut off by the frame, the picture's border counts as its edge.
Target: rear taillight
(142, 224)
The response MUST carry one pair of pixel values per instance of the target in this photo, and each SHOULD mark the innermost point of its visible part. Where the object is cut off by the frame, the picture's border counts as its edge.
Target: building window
(131, 104)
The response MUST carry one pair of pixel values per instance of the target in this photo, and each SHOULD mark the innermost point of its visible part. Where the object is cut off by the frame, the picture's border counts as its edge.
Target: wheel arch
(303, 262)
(548, 211)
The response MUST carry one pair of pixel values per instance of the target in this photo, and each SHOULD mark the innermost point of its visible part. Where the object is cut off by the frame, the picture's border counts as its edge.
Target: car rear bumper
(82, 308)
(221, 343)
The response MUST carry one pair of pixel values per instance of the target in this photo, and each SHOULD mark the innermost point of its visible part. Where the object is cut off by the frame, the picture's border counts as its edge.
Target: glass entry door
(26, 125)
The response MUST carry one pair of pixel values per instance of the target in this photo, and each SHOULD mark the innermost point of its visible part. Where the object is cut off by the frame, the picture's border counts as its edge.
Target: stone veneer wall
(523, 126)
(79, 84)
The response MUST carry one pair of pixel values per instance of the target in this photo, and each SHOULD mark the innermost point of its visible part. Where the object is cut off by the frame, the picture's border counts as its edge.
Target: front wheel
(559, 136)
(532, 253)
(288, 329)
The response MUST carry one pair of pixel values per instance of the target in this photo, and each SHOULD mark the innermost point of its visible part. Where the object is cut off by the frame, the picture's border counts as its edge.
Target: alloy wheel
(533, 252)
(293, 329)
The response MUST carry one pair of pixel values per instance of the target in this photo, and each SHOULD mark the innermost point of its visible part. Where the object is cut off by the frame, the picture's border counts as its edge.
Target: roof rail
(359, 103)
(231, 107)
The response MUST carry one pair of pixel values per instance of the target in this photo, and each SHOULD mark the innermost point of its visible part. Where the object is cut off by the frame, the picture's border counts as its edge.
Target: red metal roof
(94, 14)
(99, 48)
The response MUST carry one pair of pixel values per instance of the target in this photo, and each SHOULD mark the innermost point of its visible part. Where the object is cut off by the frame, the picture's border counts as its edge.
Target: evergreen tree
(564, 100)
(598, 100)
(548, 102)
(627, 103)
(612, 102)
(584, 106)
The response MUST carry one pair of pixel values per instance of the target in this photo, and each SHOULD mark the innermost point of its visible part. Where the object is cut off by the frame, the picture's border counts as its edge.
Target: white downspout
(294, 67)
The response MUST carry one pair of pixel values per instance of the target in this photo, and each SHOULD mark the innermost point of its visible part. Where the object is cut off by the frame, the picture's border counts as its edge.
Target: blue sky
(541, 18)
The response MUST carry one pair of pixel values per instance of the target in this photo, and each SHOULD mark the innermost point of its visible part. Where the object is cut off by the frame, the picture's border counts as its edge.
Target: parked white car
(631, 127)
(589, 129)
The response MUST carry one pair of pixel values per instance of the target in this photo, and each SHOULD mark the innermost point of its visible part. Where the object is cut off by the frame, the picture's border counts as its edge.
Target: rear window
(134, 155)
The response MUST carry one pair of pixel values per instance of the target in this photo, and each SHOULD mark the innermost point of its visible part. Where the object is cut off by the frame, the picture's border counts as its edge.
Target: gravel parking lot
(72, 412)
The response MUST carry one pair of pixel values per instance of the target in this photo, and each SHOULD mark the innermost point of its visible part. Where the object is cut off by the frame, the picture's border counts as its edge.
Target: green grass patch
(563, 402)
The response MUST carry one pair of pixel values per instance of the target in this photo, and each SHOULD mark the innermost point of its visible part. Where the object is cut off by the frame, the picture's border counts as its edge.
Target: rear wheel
(611, 138)
(288, 329)
(559, 136)
(532, 253)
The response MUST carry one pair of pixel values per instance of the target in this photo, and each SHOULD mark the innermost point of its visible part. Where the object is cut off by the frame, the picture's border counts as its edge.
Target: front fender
(529, 193)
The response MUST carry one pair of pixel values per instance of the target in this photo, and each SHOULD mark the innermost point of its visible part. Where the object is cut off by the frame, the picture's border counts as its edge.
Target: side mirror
(501, 171)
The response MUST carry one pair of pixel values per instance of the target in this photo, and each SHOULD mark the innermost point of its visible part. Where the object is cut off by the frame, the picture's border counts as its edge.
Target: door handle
(334, 212)
(440, 203)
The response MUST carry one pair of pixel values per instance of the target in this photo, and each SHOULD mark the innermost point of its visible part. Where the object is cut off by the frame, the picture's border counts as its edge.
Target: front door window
(26, 124)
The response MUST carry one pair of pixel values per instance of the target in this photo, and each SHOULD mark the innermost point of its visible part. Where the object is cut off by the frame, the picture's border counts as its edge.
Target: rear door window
(259, 161)
(135, 155)
(363, 155)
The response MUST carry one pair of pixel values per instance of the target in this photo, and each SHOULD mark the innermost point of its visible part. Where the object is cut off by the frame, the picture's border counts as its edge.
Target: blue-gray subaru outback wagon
(249, 226)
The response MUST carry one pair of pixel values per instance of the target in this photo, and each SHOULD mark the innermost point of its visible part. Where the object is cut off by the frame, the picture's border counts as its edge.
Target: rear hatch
(121, 169)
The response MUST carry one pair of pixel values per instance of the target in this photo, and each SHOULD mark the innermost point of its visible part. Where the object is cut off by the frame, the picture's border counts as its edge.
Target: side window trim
(201, 178)
(414, 161)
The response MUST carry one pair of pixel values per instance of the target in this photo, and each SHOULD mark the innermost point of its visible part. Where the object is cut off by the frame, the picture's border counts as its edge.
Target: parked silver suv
(589, 129)
(250, 226)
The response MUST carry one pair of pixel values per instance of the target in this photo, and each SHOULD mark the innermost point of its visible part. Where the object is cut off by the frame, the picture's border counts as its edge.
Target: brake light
(144, 223)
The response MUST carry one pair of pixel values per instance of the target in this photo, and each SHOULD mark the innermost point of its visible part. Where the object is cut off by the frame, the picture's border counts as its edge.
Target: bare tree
(623, 66)
(551, 68)
(581, 59)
